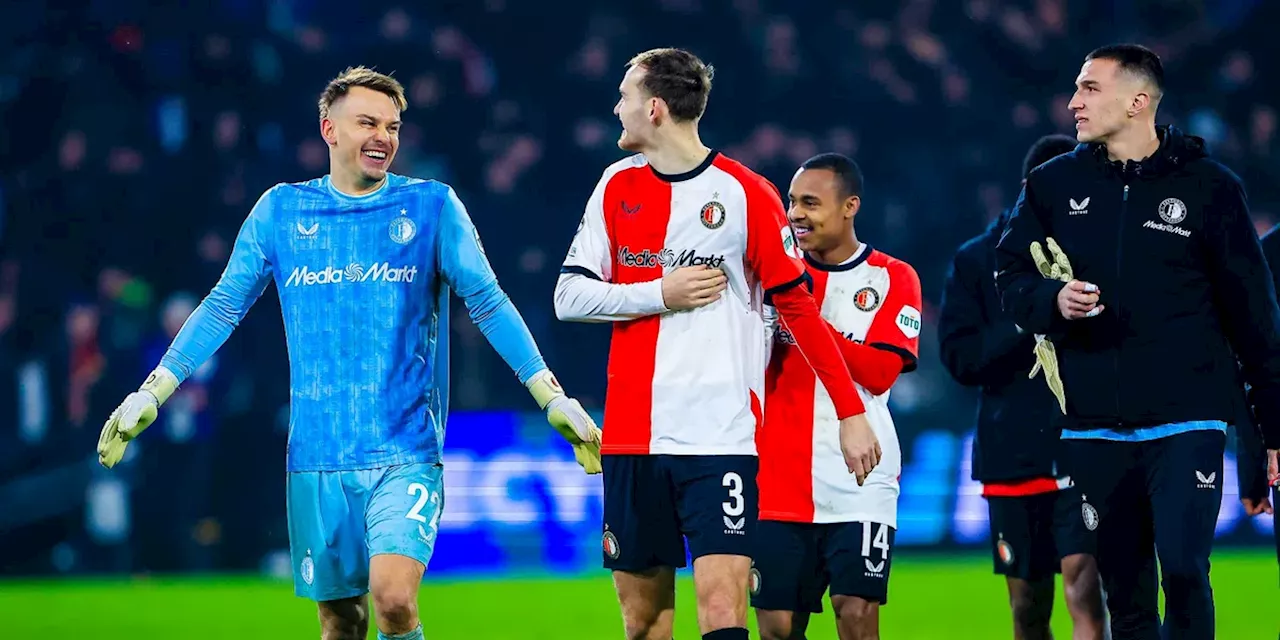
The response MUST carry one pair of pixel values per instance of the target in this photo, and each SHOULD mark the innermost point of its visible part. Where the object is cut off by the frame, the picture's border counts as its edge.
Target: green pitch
(930, 597)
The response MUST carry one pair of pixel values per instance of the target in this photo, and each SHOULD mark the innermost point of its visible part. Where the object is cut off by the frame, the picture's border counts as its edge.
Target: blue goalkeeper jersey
(364, 284)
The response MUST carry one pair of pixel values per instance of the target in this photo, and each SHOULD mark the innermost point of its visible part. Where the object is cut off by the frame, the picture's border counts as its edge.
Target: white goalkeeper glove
(569, 418)
(134, 415)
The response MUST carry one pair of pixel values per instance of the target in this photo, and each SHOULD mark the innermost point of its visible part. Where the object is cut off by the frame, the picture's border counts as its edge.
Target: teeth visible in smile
(376, 155)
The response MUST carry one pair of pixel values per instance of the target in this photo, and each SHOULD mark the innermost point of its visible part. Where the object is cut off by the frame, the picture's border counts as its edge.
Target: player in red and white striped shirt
(678, 247)
(818, 527)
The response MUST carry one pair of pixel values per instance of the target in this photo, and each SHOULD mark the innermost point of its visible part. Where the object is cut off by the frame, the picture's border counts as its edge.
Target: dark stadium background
(137, 135)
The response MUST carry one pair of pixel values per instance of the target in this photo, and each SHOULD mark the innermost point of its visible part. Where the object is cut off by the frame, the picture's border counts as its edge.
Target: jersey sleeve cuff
(649, 297)
(909, 360)
(804, 279)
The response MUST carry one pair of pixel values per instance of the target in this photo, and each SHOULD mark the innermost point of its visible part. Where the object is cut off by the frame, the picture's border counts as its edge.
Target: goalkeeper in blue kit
(364, 261)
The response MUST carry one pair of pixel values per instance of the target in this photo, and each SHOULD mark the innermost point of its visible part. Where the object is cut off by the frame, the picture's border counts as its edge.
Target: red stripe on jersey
(628, 405)
(1034, 486)
(785, 442)
(757, 411)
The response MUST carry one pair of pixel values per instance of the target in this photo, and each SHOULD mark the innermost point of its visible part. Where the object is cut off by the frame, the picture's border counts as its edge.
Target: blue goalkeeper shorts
(340, 519)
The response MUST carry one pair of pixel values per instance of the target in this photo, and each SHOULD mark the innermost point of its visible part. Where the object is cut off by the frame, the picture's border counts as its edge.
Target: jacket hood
(996, 227)
(1176, 150)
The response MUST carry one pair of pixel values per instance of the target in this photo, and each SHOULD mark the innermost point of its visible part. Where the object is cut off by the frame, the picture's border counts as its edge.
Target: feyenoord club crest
(402, 229)
(1006, 552)
(712, 215)
(610, 544)
(866, 299)
(308, 569)
(1090, 516)
(1172, 210)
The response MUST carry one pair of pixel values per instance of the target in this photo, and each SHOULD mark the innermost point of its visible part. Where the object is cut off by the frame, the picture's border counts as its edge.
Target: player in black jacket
(1036, 529)
(1169, 288)
(1251, 467)
(1254, 464)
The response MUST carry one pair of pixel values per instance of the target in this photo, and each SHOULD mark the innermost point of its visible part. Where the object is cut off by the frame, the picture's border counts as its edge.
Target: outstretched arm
(466, 269)
(242, 283)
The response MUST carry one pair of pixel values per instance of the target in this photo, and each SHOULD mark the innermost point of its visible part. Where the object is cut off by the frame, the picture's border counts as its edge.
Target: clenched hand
(1079, 300)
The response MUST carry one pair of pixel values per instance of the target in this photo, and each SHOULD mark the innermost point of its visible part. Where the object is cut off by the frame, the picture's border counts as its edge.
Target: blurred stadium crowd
(138, 135)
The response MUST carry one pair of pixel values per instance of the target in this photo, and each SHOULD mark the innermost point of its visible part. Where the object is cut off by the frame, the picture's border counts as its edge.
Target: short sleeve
(896, 325)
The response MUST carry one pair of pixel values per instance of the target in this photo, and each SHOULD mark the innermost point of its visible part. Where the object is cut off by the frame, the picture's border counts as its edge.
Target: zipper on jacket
(1124, 210)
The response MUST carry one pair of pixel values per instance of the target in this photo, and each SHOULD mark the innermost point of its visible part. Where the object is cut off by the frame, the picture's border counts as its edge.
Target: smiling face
(360, 121)
(363, 132)
(636, 111)
(821, 212)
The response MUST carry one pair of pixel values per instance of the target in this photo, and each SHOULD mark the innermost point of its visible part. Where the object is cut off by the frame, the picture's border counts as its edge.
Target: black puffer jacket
(1170, 244)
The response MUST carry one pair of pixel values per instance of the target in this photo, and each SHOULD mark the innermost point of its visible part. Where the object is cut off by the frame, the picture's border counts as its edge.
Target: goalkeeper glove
(134, 415)
(569, 418)
(1053, 266)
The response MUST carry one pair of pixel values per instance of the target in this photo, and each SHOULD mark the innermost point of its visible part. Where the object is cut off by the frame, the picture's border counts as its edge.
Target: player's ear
(851, 206)
(1140, 101)
(327, 132)
(657, 109)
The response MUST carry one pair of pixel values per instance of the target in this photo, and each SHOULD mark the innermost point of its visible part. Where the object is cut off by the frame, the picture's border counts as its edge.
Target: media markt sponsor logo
(1167, 228)
(647, 259)
(305, 276)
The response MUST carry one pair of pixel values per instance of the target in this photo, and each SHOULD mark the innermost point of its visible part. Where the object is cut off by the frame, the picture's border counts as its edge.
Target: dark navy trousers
(1157, 499)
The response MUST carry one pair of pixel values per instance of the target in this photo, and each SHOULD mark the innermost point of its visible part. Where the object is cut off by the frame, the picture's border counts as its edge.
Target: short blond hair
(361, 77)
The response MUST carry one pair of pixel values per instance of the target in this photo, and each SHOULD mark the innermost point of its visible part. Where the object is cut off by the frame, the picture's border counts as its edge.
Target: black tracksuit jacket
(1187, 290)
(981, 347)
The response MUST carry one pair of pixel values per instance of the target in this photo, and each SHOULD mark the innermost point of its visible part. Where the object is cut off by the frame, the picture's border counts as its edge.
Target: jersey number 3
(735, 505)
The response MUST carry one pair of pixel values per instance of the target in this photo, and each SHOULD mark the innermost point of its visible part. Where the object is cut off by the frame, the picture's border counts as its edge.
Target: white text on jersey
(355, 272)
